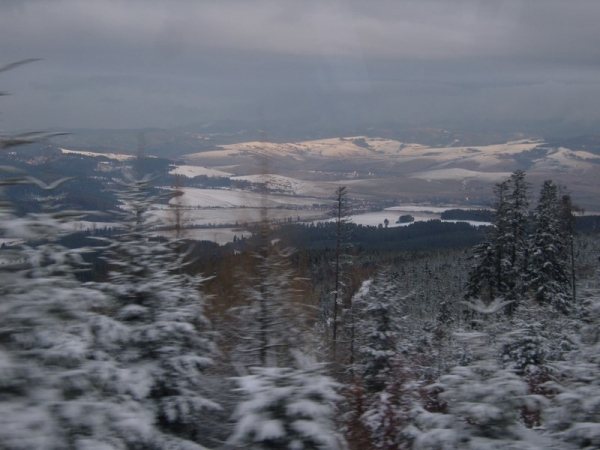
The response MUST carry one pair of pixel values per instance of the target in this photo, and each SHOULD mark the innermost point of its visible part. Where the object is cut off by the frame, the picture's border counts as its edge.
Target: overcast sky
(139, 63)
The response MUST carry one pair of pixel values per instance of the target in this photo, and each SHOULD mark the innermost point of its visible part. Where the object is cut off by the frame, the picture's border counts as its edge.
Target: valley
(223, 189)
(408, 173)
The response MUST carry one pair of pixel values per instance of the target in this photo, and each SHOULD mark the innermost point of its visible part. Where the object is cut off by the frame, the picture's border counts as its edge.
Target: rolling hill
(386, 168)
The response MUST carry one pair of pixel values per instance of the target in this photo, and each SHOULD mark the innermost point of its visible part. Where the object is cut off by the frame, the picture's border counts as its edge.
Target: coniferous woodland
(150, 344)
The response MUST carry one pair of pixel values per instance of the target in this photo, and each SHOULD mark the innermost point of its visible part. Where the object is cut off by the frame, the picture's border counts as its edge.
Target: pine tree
(501, 237)
(488, 276)
(574, 416)
(353, 317)
(54, 378)
(44, 333)
(340, 213)
(518, 222)
(483, 277)
(380, 393)
(44, 337)
(483, 404)
(155, 339)
(501, 260)
(388, 411)
(287, 408)
(568, 220)
(380, 326)
(548, 267)
(268, 326)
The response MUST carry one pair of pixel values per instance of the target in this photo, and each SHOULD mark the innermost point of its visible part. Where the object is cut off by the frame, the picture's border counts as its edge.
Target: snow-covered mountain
(377, 167)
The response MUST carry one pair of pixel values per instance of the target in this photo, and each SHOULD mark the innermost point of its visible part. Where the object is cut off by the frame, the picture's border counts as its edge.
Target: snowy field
(429, 209)
(461, 174)
(564, 159)
(328, 148)
(222, 198)
(373, 219)
(117, 156)
(286, 184)
(218, 216)
(376, 218)
(195, 171)
(374, 147)
(10, 241)
(392, 214)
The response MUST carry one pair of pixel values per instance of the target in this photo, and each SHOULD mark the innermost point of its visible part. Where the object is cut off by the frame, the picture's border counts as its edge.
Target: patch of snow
(392, 214)
(194, 171)
(461, 174)
(427, 209)
(10, 241)
(564, 159)
(117, 156)
(220, 216)
(224, 198)
(373, 219)
(286, 184)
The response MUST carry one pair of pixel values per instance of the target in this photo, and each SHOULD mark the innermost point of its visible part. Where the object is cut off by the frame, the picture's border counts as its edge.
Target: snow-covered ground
(194, 171)
(219, 216)
(563, 160)
(288, 185)
(10, 241)
(117, 156)
(428, 209)
(376, 218)
(329, 148)
(461, 174)
(364, 146)
(225, 198)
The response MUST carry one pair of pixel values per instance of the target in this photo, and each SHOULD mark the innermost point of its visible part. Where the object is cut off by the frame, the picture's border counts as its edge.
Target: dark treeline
(418, 235)
(204, 181)
(475, 215)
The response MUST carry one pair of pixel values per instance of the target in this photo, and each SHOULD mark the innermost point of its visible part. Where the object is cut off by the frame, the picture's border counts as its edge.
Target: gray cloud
(158, 63)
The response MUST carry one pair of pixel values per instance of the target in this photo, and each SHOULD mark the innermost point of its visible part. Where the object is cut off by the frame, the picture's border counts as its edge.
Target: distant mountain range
(414, 172)
(387, 162)
(170, 143)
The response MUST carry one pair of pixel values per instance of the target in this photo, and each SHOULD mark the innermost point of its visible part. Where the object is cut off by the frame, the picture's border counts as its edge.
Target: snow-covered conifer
(483, 404)
(379, 327)
(51, 394)
(500, 262)
(154, 345)
(48, 397)
(574, 417)
(388, 412)
(488, 277)
(482, 280)
(548, 271)
(287, 408)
